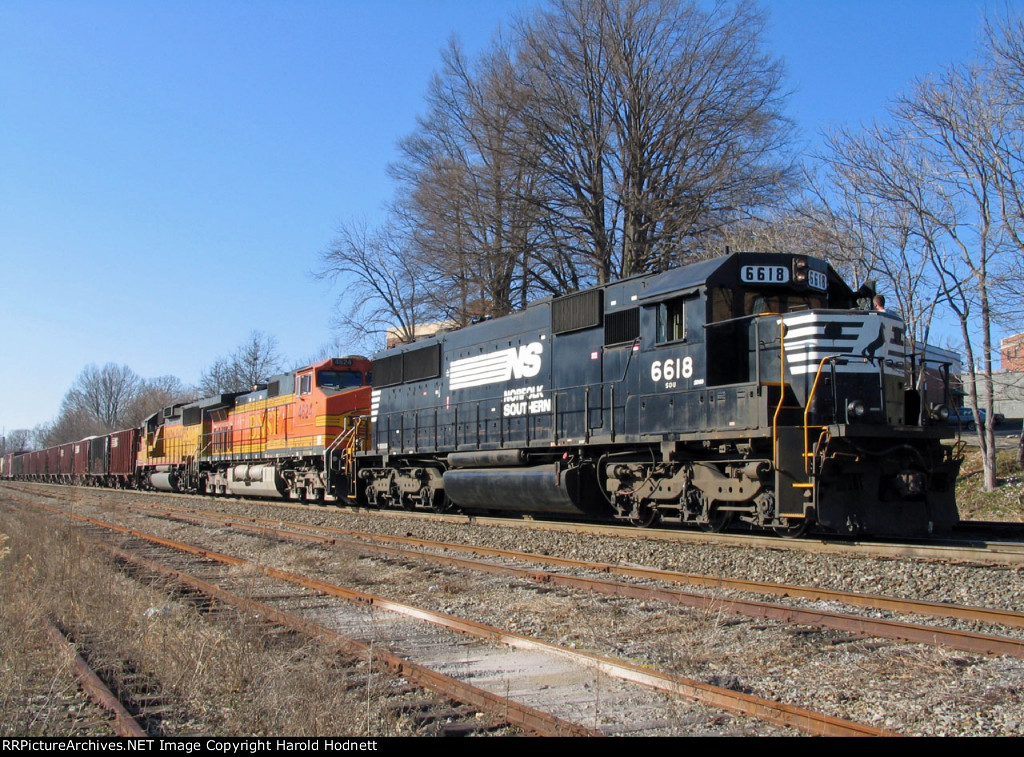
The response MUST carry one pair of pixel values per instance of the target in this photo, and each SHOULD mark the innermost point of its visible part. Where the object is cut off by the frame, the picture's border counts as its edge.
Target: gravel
(910, 689)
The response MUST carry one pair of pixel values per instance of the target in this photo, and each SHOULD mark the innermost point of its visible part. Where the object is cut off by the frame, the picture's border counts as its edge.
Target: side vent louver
(387, 371)
(622, 326)
(577, 311)
(423, 363)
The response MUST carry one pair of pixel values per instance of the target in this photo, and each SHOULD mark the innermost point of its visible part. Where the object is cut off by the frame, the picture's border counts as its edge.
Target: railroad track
(123, 722)
(884, 628)
(440, 553)
(779, 714)
(394, 551)
(989, 543)
(228, 585)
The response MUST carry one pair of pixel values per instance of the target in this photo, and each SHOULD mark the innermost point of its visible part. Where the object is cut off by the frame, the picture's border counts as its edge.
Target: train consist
(751, 389)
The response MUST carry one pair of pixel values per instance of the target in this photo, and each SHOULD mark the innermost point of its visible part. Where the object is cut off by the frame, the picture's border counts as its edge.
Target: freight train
(755, 389)
(288, 437)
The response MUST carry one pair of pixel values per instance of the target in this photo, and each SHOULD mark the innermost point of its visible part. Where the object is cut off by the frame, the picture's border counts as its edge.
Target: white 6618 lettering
(671, 369)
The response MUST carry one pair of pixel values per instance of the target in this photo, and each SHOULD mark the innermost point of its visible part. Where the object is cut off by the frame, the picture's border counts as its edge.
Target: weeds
(215, 672)
(1006, 503)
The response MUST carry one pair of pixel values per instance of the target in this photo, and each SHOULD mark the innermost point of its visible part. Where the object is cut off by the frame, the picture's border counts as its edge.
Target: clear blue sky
(171, 171)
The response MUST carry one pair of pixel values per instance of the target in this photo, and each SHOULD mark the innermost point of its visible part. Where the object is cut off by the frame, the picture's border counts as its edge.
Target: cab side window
(305, 384)
(671, 321)
(680, 319)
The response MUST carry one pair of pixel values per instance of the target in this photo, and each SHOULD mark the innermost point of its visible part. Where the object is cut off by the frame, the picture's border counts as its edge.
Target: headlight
(800, 270)
(940, 413)
(855, 409)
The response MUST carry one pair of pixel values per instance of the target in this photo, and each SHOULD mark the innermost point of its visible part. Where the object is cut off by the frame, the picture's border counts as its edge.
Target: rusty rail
(965, 641)
(811, 722)
(123, 724)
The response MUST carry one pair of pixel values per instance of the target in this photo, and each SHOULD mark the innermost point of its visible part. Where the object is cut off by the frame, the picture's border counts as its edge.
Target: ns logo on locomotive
(752, 389)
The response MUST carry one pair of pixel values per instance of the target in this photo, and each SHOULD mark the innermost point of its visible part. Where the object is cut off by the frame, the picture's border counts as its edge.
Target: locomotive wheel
(437, 501)
(793, 528)
(717, 521)
(644, 516)
(405, 499)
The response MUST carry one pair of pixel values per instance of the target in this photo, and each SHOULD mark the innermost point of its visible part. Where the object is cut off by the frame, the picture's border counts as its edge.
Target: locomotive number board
(779, 274)
(764, 274)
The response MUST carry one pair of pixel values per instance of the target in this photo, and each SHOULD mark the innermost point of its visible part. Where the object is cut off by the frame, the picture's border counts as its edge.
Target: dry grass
(219, 673)
(1006, 503)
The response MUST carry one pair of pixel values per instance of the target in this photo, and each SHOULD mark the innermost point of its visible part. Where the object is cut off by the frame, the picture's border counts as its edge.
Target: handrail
(338, 440)
(348, 438)
(782, 393)
(807, 409)
(814, 388)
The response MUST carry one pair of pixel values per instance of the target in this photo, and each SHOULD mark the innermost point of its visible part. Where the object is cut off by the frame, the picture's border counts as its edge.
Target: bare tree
(868, 207)
(71, 424)
(251, 364)
(468, 187)
(155, 394)
(659, 125)
(959, 125)
(601, 138)
(104, 393)
(381, 288)
(97, 403)
(940, 182)
(15, 441)
(1004, 54)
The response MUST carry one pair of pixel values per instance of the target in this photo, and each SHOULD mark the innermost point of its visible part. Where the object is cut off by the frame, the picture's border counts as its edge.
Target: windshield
(339, 379)
(755, 303)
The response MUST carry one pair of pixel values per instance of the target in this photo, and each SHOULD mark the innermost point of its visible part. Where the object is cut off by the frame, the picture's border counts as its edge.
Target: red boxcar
(81, 464)
(66, 462)
(52, 463)
(124, 447)
(35, 465)
(99, 447)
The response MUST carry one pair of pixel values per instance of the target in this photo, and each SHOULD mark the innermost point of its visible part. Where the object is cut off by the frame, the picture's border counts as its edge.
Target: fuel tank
(534, 489)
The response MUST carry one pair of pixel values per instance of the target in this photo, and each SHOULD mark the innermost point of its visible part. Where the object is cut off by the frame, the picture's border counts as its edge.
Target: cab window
(339, 379)
(680, 319)
(671, 321)
(756, 303)
(305, 383)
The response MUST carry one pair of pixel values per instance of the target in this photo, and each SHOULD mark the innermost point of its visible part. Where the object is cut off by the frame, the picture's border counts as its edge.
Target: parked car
(964, 417)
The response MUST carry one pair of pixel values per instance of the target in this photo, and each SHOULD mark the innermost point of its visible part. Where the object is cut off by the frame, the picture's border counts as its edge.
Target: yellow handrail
(782, 393)
(807, 410)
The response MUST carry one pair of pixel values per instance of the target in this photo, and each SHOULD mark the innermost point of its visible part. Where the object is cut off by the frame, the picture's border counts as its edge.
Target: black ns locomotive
(755, 388)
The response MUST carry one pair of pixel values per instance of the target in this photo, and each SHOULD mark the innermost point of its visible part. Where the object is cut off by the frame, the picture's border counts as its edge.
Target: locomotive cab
(331, 381)
(819, 384)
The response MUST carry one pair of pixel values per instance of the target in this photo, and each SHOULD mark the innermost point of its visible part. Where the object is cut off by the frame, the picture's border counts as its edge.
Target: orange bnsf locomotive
(288, 438)
(755, 389)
